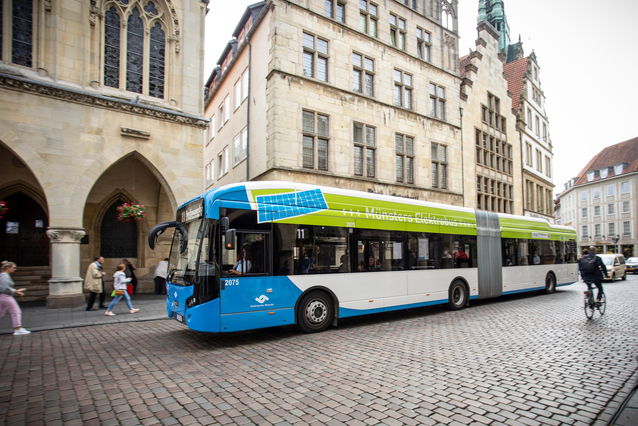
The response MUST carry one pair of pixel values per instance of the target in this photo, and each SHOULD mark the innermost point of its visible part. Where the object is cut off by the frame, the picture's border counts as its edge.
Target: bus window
(570, 252)
(380, 250)
(249, 256)
(307, 249)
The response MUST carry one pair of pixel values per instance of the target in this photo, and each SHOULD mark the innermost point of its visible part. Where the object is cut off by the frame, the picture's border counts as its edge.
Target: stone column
(65, 285)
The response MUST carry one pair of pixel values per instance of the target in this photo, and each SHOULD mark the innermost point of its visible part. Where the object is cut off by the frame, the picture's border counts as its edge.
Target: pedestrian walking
(7, 301)
(130, 274)
(94, 282)
(120, 282)
(161, 270)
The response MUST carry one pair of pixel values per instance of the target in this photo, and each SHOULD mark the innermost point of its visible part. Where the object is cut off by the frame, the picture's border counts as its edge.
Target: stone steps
(35, 279)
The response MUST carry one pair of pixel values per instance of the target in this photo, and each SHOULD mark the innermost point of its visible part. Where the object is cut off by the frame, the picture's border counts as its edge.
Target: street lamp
(615, 241)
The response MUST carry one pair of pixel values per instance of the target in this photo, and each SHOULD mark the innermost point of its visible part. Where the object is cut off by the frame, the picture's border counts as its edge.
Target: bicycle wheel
(589, 307)
(603, 305)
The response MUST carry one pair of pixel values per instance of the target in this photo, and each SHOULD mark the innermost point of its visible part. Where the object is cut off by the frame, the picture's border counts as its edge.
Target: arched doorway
(23, 229)
(118, 239)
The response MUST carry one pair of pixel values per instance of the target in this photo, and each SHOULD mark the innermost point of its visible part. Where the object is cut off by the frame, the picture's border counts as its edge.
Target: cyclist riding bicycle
(591, 269)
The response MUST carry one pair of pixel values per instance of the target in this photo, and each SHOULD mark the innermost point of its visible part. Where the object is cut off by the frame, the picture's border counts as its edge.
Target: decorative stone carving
(135, 133)
(54, 236)
(23, 85)
(47, 5)
(77, 235)
(450, 41)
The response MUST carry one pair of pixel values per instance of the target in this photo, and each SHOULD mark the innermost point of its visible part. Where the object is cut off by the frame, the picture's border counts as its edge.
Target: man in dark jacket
(596, 276)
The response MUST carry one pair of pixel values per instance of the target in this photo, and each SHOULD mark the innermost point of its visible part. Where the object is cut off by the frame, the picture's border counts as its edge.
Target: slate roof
(515, 71)
(623, 152)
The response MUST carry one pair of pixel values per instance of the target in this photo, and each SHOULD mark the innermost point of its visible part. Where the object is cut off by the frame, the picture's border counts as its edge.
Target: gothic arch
(165, 8)
(24, 152)
(96, 223)
(105, 161)
(9, 188)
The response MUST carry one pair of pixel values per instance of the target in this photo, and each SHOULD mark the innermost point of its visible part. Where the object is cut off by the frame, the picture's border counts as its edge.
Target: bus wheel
(457, 296)
(550, 284)
(315, 312)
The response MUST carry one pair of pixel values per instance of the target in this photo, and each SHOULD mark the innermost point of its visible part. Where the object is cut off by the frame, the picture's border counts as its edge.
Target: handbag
(119, 292)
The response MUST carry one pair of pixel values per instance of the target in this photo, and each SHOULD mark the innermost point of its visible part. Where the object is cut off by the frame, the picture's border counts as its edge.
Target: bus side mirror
(229, 242)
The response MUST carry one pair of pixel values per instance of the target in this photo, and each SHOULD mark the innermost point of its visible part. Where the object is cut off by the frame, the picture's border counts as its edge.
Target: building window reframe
(404, 85)
(439, 165)
(365, 69)
(369, 18)
(318, 54)
(404, 158)
(367, 147)
(317, 139)
(437, 101)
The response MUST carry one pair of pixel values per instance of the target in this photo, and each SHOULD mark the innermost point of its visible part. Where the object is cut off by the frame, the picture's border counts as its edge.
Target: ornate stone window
(135, 46)
(16, 31)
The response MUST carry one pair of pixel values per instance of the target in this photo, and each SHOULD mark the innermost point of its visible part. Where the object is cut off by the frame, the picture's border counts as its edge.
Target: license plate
(179, 317)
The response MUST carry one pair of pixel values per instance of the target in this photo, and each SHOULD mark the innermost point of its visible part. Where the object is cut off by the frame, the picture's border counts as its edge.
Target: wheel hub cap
(316, 312)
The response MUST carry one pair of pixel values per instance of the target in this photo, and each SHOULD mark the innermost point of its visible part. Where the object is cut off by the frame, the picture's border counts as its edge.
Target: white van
(616, 267)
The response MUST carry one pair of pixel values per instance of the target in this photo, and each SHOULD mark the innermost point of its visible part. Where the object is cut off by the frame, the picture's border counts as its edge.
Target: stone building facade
(101, 105)
(360, 95)
(601, 202)
(491, 148)
(536, 144)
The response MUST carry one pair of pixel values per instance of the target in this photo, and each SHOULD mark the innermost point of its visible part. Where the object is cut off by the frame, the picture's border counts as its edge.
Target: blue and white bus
(262, 254)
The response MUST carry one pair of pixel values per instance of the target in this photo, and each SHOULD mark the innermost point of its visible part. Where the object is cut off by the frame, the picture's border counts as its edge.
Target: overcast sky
(586, 53)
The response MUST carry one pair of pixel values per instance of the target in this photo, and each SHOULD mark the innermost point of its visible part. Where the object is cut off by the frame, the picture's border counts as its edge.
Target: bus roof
(271, 198)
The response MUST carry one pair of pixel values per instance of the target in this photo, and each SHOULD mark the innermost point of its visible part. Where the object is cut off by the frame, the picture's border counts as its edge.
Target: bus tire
(315, 312)
(550, 284)
(457, 296)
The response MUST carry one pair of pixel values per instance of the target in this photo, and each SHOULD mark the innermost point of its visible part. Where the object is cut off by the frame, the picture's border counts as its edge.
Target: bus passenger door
(250, 297)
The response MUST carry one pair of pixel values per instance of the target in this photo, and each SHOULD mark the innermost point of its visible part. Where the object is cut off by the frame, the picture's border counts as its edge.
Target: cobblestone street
(521, 359)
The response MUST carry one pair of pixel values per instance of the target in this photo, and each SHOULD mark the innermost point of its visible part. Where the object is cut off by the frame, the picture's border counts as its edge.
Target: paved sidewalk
(36, 317)
(628, 414)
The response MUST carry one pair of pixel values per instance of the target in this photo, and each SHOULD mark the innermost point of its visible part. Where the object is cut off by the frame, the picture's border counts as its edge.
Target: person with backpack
(591, 269)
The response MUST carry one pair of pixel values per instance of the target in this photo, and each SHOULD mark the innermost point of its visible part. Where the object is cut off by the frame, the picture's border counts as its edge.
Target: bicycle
(590, 303)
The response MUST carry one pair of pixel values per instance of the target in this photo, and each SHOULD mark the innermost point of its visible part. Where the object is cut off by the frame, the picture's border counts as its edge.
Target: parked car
(632, 265)
(616, 266)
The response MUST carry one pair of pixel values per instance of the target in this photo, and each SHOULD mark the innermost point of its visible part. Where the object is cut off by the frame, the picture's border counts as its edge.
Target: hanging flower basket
(3, 208)
(130, 211)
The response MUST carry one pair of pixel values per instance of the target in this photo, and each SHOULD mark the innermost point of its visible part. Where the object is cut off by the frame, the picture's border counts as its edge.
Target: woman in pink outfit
(7, 302)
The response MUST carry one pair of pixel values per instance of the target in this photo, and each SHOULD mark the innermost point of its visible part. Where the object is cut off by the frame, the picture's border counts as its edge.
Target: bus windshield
(183, 257)
(184, 254)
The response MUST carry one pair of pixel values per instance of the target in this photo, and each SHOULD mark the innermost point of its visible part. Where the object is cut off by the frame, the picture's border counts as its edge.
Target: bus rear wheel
(457, 296)
(550, 284)
(315, 312)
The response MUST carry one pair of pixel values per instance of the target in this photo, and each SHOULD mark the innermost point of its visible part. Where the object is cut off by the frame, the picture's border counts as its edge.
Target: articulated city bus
(262, 254)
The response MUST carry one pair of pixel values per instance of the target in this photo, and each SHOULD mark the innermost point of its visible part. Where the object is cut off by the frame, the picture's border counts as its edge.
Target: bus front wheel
(315, 312)
(457, 296)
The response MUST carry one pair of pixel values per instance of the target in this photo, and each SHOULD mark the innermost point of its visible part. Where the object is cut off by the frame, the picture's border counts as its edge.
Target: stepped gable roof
(464, 61)
(515, 71)
(623, 152)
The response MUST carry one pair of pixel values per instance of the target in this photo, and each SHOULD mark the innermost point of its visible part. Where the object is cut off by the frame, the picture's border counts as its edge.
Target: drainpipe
(250, 47)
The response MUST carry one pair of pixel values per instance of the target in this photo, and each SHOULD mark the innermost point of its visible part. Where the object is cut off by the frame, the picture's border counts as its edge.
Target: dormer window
(619, 168)
(604, 172)
(591, 176)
